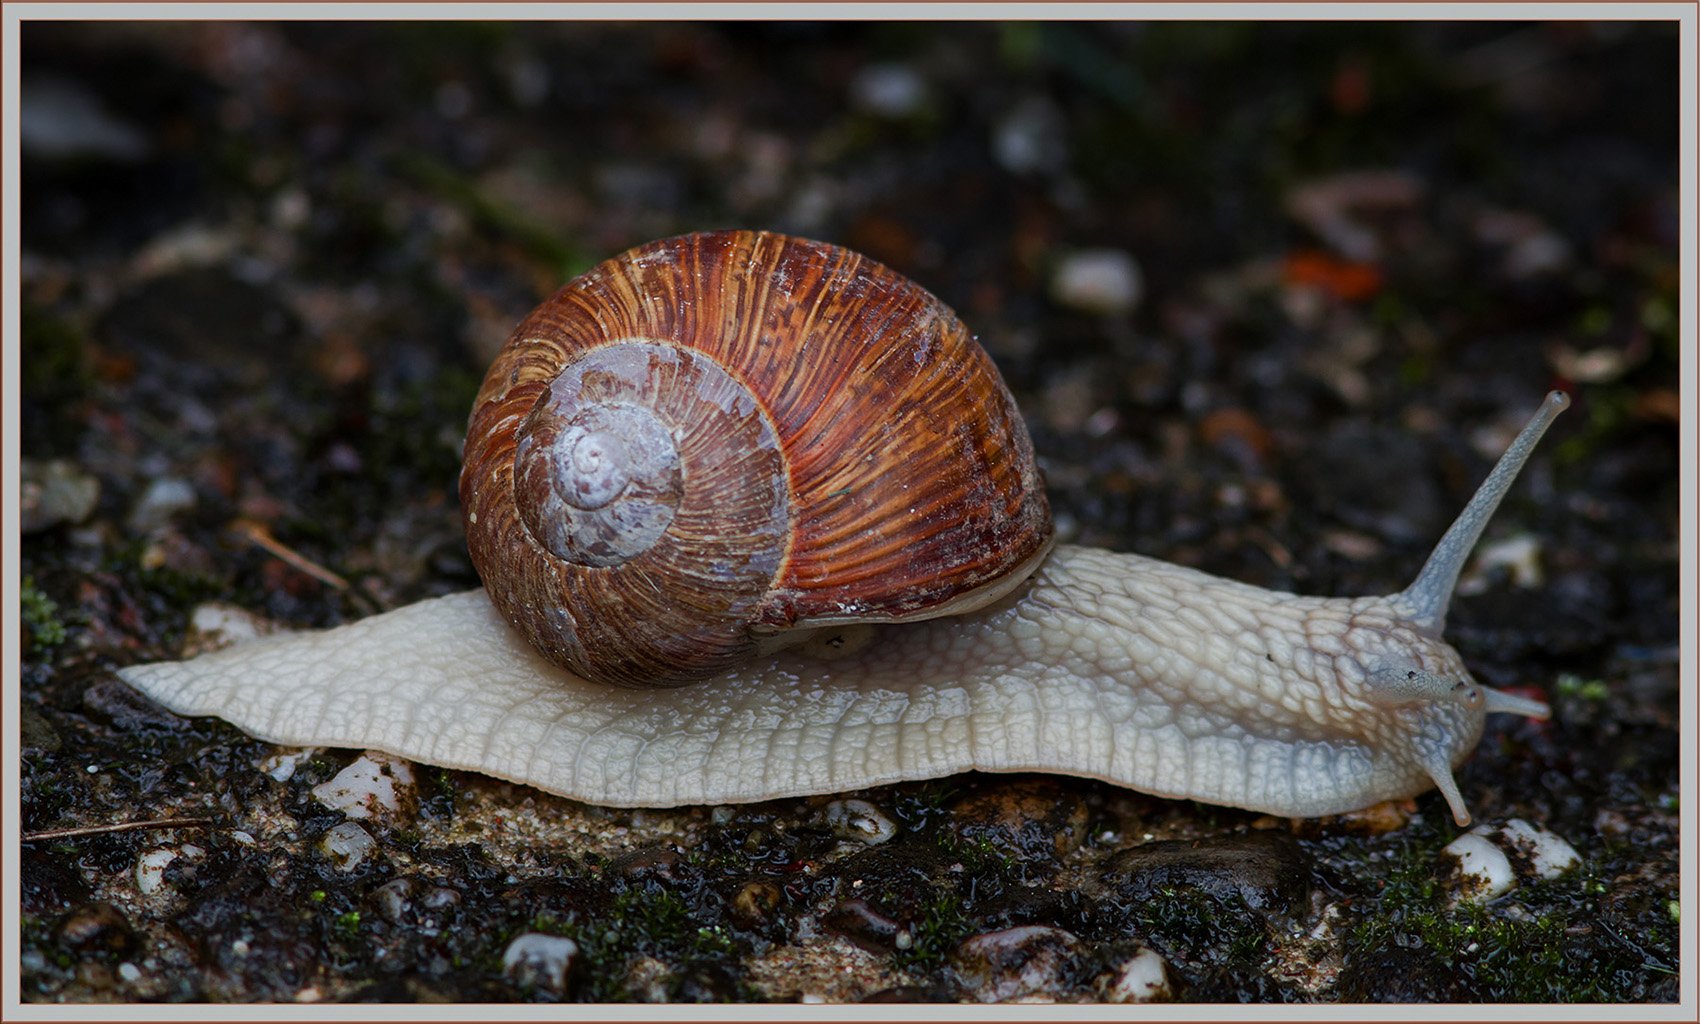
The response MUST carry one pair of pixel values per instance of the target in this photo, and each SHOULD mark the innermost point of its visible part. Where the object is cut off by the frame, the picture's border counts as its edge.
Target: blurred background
(1271, 297)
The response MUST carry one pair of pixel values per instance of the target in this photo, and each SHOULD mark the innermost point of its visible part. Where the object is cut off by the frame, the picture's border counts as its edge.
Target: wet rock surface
(1266, 871)
(263, 275)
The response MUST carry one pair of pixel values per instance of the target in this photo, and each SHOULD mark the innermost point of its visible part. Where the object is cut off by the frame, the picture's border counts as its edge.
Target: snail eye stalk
(1425, 601)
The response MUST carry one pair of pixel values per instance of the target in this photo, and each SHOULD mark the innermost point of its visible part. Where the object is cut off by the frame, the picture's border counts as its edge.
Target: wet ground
(1271, 298)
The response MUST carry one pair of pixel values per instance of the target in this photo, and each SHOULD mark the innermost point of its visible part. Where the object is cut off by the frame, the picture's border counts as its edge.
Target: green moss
(1539, 944)
(410, 439)
(648, 921)
(979, 853)
(41, 616)
(1592, 690)
(456, 189)
(939, 928)
(181, 589)
(54, 372)
(1216, 932)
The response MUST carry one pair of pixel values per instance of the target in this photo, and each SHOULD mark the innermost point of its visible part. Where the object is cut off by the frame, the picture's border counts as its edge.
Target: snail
(865, 587)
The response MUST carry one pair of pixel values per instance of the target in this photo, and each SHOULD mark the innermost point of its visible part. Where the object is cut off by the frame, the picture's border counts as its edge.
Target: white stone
(150, 869)
(282, 764)
(1482, 867)
(535, 960)
(1521, 555)
(60, 119)
(54, 492)
(374, 785)
(1032, 138)
(164, 498)
(1141, 979)
(393, 899)
(1015, 963)
(347, 845)
(218, 625)
(890, 90)
(1549, 856)
(1103, 281)
(860, 820)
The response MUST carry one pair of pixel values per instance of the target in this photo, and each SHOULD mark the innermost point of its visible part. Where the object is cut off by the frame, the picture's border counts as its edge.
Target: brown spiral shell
(711, 439)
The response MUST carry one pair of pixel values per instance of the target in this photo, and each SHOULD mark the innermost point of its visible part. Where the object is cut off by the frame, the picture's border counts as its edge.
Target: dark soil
(264, 266)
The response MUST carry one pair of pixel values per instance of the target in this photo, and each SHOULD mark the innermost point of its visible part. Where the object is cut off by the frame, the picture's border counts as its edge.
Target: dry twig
(261, 535)
(123, 826)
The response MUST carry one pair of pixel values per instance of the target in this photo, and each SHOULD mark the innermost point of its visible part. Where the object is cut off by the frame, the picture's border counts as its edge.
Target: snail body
(1073, 660)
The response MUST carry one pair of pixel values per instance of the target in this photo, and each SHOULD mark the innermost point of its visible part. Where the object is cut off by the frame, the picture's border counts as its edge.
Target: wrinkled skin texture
(1111, 666)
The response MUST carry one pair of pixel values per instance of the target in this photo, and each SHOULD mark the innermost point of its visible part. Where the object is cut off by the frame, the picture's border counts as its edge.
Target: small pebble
(528, 80)
(129, 971)
(661, 861)
(1600, 365)
(1014, 963)
(214, 625)
(164, 498)
(282, 764)
(347, 845)
(647, 979)
(393, 899)
(374, 785)
(889, 90)
(96, 928)
(54, 492)
(125, 709)
(1266, 869)
(1335, 208)
(865, 926)
(440, 898)
(150, 869)
(1490, 857)
(1032, 138)
(1520, 555)
(859, 820)
(1141, 978)
(1538, 254)
(539, 961)
(291, 208)
(36, 732)
(754, 903)
(1484, 872)
(61, 119)
(1548, 855)
(1107, 282)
